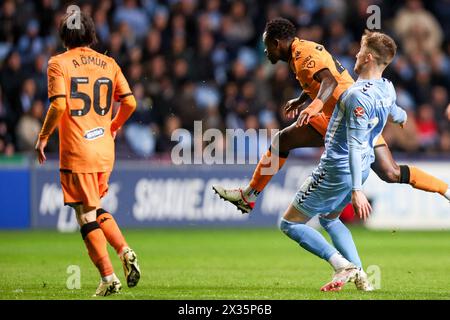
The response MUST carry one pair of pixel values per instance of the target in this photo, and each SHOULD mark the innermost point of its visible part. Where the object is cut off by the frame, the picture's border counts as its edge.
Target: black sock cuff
(280, 154)
(88, 227)
(100, 212)
(404, 174)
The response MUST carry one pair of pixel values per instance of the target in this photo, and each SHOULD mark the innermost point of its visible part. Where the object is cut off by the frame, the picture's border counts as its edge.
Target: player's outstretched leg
(271, 162)
(311, 240)
(244, 198)
(115, 238)
(389, 171)
(343, 241)
(96, 245)
(421, 180)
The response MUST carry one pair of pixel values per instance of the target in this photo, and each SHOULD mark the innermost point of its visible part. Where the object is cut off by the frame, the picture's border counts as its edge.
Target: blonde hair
(381, 45)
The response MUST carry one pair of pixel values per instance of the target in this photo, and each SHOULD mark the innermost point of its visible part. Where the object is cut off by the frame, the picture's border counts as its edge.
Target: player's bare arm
(327, 85)
(448, 112)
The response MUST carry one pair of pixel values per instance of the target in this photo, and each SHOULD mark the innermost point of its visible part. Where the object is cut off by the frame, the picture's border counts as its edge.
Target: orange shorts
(84, 188)
(320, 123)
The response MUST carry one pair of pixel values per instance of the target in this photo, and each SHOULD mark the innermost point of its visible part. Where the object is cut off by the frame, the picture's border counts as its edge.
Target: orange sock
(111, 230)
(424, 181)
(96, 245)
(264, 170)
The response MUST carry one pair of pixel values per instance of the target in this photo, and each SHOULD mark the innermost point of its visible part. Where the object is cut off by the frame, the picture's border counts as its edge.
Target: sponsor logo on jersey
(94, 133)
(309, 62)
(359, 111)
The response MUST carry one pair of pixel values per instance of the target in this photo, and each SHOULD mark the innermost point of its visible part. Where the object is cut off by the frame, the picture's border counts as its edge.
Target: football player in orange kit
(82, 84)
(323, 79)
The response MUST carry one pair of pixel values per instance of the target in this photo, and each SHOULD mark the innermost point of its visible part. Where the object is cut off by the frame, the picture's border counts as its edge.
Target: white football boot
(362, 282)
(130, 267)
(107, 288)
(236, 197)
(341, 277)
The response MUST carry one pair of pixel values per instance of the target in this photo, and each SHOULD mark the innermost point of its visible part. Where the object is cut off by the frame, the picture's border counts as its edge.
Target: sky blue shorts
(325, 192)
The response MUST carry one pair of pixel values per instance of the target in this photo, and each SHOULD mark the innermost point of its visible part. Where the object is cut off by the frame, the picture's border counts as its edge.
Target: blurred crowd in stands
(191, 60)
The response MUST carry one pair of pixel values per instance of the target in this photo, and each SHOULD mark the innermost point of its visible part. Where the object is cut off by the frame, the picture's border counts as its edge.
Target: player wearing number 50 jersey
(89, 82)
(82, 85)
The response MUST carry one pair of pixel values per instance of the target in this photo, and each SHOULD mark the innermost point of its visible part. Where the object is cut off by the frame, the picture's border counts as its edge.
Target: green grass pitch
(183, 264)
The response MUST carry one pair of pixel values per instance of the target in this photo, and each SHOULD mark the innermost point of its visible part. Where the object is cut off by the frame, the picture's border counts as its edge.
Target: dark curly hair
(80, 35)
(280, 28)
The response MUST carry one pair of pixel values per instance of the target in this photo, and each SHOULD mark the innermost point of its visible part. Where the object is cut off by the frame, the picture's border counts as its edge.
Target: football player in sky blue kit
(357, 122)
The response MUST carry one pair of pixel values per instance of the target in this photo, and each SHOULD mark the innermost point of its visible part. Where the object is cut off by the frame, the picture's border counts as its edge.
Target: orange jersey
(89, 81)
(308, 58)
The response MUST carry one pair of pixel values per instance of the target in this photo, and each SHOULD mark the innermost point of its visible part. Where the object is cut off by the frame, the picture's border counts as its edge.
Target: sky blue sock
(308, 238)
(342, 239)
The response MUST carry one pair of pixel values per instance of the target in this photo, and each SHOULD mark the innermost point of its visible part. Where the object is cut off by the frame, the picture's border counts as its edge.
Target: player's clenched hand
(292, 107)
(361, 205)
(40, 146)
(448, 112)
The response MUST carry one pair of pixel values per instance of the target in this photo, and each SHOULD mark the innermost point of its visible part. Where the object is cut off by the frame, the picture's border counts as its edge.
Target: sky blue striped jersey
(356, 124)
